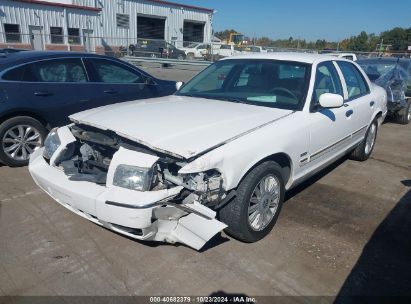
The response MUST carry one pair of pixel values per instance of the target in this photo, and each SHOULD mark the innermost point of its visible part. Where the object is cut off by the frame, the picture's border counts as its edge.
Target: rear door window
(112, 72)
(356, 84)
(55, 70)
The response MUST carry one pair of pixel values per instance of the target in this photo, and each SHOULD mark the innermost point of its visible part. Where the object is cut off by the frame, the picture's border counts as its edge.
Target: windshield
(268, 83)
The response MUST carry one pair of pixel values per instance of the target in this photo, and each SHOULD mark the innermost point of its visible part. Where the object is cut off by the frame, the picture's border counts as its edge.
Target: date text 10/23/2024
(208, 299)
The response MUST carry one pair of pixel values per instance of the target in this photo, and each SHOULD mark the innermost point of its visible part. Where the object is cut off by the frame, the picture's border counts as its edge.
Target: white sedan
(219, 154)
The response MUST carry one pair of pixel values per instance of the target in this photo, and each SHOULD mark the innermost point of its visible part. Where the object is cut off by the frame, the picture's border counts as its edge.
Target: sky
(307, 19)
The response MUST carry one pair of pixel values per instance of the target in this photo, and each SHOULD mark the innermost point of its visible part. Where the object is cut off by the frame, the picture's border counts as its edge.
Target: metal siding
(104, 23)
(174, 20)
(26, 14)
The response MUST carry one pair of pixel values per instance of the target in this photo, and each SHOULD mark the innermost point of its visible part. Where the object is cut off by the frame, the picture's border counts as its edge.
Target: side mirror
(179, 85)
(329, 100)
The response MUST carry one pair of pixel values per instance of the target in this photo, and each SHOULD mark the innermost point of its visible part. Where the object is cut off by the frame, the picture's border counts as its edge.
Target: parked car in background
(255, 49)
(349, 56)
(156, 49)
(39, 90)
(230, 142)
(196, 50)
(393, 74)
(227, 50)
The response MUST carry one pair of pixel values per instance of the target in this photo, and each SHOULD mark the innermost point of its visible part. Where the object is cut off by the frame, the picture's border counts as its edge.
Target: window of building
(56, 35)
(123, 21)
(74, 36)
(12, 32)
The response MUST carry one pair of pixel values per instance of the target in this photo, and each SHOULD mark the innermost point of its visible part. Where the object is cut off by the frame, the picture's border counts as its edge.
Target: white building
(99, 25)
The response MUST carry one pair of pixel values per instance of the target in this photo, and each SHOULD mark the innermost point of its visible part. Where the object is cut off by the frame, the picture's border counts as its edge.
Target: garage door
(150, 28)
(193, 32)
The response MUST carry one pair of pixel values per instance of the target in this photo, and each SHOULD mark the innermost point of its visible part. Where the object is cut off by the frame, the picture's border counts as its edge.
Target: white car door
(330, 129)
(359, 98)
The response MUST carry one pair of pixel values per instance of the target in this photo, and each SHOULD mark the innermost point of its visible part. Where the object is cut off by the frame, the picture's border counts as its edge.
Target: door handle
(112, 92)
(372, 103)
(349, 113)
(42, 93)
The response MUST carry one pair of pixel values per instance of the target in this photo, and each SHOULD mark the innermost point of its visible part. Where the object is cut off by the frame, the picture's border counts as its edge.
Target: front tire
(252, 214)
(19, 137)
(363, 151)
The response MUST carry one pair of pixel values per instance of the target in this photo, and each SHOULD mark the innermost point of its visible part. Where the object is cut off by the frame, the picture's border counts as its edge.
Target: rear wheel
(254, 211)
(404, 116)
(190, 56)
(364, 150)
(19, 137)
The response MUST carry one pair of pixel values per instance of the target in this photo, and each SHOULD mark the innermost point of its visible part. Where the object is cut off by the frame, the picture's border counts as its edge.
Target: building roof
(65, 5)
(208, 10)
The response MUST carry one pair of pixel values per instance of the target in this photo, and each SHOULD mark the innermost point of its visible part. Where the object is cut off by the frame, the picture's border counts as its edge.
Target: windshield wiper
(234, 99)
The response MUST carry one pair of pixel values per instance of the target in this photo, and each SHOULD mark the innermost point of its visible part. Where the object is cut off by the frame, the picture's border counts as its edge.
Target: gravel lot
(346, 231)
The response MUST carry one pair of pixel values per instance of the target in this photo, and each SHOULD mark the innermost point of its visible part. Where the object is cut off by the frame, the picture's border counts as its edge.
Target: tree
(397, 38)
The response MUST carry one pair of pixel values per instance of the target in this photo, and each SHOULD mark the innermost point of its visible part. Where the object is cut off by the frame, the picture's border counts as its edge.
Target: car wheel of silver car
(363, 151)
(404, 116)
(252, 214)
(19, 137)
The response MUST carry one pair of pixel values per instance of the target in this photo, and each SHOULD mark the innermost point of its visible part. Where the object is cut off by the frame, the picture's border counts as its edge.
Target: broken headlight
(51, 144)
(133, 178)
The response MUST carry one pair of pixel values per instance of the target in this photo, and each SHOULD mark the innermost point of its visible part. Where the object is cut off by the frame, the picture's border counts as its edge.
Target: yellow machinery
(236, 39)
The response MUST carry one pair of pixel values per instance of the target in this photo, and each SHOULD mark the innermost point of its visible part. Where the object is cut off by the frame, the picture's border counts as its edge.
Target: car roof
(14, 59)
(287, 56)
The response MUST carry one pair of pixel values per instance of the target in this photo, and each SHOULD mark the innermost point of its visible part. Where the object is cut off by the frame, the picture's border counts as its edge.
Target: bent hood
(180, 126)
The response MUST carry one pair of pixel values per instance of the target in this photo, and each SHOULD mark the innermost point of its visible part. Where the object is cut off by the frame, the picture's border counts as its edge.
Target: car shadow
(384, 267)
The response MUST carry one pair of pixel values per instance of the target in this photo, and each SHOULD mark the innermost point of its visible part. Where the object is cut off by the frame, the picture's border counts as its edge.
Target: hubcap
(369, 144)
(264, 202)
(20, 141)
(409, 113)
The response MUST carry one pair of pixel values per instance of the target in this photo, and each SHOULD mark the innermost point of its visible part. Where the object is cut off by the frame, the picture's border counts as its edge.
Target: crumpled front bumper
(139, 215)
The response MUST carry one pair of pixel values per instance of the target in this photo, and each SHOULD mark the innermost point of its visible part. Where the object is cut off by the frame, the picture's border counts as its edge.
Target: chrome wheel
(264, 202)
(409, 113)
(20, 141)
(370, 140)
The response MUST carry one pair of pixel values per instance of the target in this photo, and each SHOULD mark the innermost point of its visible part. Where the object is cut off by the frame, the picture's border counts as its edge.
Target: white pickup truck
(219, 154)
(226, 50)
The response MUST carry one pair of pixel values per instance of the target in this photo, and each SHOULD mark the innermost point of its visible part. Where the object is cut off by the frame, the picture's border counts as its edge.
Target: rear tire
(244, 213)
(20, 136)
(404, 116)
(363, 151)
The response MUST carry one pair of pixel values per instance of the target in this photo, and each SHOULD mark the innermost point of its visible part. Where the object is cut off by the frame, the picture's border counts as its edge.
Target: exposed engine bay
(89, 158)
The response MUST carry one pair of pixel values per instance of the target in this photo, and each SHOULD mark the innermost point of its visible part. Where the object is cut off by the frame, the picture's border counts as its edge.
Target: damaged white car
(219, 154)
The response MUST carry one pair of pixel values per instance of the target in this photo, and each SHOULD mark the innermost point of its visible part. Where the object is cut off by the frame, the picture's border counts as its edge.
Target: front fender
(234, 159)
